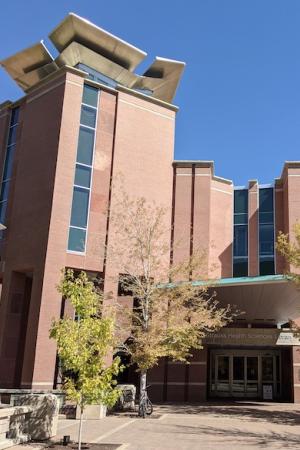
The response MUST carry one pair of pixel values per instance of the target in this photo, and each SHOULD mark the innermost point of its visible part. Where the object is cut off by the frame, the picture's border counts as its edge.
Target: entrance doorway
(245, 374)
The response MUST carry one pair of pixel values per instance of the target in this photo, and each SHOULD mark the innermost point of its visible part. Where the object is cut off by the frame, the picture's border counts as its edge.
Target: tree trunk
(80, 428)
(143, 383)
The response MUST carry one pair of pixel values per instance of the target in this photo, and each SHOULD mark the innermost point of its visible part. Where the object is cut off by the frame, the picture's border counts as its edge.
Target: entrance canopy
(271, 299)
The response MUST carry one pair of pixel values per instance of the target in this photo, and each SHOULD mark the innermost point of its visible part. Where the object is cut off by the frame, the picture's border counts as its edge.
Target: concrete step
(6, 443)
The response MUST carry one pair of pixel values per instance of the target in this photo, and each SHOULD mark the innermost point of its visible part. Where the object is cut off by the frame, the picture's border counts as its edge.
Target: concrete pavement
(242, 425)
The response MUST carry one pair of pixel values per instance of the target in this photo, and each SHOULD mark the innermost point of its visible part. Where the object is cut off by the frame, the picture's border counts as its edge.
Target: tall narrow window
(266, 231)
(8, 166)
(240, 240)
(83, 170)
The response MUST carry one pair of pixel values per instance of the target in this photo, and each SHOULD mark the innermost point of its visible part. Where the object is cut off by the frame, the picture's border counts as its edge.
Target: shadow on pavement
(237, 436)
(285, 414)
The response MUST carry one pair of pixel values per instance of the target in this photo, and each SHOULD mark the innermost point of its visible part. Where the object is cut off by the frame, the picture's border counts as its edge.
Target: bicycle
(145, 405)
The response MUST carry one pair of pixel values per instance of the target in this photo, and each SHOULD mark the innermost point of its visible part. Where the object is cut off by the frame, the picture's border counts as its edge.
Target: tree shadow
(41, 423)
(245, 411)
(237, 436)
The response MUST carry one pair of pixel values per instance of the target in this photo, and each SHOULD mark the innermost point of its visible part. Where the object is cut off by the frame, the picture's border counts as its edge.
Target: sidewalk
(242, 425)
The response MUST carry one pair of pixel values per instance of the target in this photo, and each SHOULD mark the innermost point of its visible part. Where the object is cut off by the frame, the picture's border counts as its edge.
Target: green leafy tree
(290, 249)
(84, 344)
(173, 314)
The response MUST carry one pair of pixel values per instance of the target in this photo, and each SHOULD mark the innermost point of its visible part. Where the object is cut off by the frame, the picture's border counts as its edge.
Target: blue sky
(239, 97)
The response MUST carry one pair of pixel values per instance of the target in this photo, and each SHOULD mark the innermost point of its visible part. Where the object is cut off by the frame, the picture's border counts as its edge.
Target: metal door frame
(215, 353)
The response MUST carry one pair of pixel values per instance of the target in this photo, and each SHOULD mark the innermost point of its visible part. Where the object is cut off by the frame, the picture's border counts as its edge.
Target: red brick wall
(296, 373)
(142, 163)
(29, 215)
(203, 218)
(221, 229)
(173, 381)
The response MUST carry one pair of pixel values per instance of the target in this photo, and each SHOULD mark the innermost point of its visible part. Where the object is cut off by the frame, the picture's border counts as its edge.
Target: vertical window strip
(266, 231)
(83, 170)
(240, 233)
(8, 165)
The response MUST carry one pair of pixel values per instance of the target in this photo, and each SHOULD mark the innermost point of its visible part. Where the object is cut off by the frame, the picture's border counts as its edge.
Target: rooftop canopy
(80, 42)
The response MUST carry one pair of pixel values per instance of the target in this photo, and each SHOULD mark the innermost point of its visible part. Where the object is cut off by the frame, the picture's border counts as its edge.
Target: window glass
(12, 135)
(266, 239)
(85, 146)
(238, 367)
(267, 267)
(240, 240)
(240, 267)
(90, 95)
(241, 201)
(14, 116)
(8, 162)
(83, 170)
(252, 368)
(4, 191)
(266, 232)
(76, 240)
(83, 176)
(80, 207)
(223, 368)
(88, 116)
(266, 200)
(3, 206)
(240, 219)
(266, 217)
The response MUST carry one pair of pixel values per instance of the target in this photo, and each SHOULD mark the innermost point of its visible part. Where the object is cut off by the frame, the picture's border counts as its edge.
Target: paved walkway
(242, 426)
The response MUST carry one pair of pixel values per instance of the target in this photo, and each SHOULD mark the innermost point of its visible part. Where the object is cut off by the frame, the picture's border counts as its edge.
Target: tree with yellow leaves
(172, 314)
(290, 249)
(83, 345)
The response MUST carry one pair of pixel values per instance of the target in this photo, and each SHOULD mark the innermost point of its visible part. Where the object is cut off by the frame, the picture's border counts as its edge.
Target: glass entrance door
(223, 371)
(239, 373)
(252, 376)
(238, 378)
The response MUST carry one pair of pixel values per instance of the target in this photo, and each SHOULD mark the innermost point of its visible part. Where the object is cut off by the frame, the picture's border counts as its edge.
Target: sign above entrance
(252, 336)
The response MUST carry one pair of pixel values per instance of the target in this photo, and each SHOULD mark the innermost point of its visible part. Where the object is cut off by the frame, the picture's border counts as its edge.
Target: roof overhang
(76, 53)
(75, 28)
(80, 41)
(271, 299)
(29, 66)
(162, 77)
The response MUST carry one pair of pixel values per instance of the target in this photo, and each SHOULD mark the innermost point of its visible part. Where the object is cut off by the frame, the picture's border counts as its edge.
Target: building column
(296, 373)
(14, 309)
(197, 377)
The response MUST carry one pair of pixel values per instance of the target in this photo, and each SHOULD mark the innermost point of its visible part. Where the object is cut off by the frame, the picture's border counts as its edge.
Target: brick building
(85, 117)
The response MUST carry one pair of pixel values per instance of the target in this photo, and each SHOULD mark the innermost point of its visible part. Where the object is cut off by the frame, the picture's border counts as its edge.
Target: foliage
(171, 317)
(84, 343)
(290, 249)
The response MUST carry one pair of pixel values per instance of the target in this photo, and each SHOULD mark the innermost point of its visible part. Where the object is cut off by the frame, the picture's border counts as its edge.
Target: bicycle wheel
(149, 407)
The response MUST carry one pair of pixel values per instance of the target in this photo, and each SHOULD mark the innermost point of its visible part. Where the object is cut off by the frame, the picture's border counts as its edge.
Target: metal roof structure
(79, 41)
